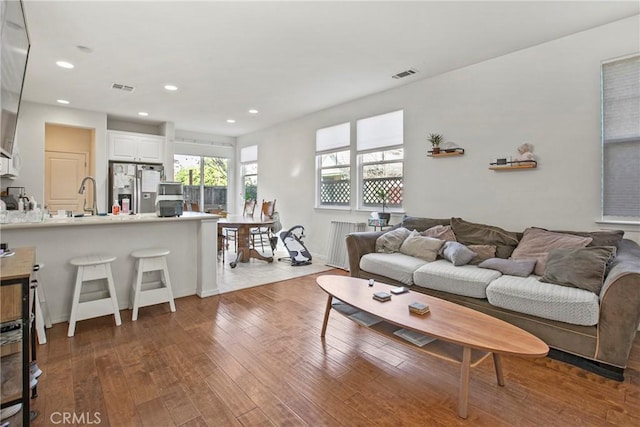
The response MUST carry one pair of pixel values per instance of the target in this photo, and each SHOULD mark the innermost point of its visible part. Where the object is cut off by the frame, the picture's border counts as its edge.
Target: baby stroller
(298, 253)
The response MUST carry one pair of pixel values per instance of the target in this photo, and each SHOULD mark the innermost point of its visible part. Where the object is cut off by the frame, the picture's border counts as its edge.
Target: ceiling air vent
(124, 88)
(405, 73)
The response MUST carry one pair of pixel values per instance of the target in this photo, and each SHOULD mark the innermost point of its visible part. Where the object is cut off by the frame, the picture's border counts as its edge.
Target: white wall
(31, 125)
(548, 95)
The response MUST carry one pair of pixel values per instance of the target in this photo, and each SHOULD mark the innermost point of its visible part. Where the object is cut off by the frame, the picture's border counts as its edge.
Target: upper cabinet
(135, 147)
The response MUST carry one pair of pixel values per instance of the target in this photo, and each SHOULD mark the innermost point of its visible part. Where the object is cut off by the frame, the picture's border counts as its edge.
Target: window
(333, 165)
(249, 161)
(204, 180)
(621, 139)
(381, 160)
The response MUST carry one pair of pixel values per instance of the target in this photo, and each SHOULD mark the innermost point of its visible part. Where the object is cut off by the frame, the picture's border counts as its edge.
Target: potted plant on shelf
(382, 196)
(435, 139)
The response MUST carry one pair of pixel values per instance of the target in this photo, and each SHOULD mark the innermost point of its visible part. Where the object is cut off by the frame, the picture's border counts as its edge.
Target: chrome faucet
(94, 209)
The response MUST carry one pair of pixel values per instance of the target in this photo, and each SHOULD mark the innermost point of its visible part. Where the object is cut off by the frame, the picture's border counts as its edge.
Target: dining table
(243, 225)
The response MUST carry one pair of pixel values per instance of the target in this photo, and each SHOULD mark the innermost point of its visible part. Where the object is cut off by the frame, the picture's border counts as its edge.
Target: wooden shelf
(512, 167)
(531, 164)
(443, 153)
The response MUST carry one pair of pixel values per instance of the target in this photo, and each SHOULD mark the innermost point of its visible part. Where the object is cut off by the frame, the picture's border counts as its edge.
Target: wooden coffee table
(462, 335)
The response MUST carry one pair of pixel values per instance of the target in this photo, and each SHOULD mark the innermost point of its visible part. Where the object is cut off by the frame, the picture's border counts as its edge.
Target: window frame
(333, 140)
(377, 147)
(609, 143)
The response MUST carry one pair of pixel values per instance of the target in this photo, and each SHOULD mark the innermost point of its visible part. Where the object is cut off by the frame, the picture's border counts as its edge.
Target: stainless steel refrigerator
(137, 182)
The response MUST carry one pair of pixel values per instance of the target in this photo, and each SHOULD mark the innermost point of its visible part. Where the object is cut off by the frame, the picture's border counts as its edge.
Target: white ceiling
(286, 59)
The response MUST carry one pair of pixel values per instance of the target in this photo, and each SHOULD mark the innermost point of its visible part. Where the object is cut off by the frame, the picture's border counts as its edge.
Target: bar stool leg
(75, 302)
(167, 283)
(112, 293)
(137, 283)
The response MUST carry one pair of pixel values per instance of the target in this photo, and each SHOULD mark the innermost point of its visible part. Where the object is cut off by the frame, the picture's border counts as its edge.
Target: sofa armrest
(359, 244)
(620, 306)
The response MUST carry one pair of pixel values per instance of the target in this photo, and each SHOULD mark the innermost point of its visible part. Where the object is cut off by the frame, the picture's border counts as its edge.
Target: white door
(64, 173)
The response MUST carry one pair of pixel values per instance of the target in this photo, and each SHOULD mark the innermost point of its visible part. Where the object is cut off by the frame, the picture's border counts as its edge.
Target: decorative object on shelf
(382, 196)
(525, 153)
(525, 160)
(435, 139)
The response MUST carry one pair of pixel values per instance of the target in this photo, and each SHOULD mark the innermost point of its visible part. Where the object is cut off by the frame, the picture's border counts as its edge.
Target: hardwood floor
(255, 357)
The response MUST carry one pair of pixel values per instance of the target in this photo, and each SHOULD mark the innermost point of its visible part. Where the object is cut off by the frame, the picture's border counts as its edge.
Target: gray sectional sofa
(592, 327)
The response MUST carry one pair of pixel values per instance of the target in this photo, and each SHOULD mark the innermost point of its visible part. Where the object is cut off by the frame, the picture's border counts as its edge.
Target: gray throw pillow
(442, 232)
(483, 252)
(521, 268)
(421, 224)
(391, 241)
(583, 268)
(600, 238)
(457, 253)
(469, 233)
(422, 247)
(537, 243)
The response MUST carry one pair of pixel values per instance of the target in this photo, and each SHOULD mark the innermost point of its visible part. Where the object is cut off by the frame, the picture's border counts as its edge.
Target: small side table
(378, 223)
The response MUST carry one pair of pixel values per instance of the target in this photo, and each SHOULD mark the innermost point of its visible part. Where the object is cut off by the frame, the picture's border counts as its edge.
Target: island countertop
(190, 238)
(108, 220)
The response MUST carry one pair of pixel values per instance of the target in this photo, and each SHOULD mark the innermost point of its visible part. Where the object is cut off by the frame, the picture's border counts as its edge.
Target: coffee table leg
(326, 316)
(497, 362)
(464, 382)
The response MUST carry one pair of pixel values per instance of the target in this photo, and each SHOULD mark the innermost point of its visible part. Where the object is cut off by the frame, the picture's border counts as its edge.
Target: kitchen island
(191, 238)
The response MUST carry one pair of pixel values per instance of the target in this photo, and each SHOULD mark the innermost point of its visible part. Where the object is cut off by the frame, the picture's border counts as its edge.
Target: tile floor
(256, 272)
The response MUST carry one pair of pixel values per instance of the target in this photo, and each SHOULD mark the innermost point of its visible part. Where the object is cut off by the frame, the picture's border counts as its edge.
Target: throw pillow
(583, 268)
(521, 268)
(469, 233)
(422, 247)
(483, 252)
(391, 241)
(600, 238)
(442, 232)
(536, 244)
(421, 224)
(457, 253)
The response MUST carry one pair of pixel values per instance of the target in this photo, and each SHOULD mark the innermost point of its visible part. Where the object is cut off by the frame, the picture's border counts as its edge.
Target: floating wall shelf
(529, 164)
(448, 152)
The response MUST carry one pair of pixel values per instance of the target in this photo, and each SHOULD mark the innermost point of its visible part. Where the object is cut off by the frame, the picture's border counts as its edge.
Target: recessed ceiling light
(253, 111)
(230, 121)
(62, 101)
(171, 87)
(143, 113)
(64, 64)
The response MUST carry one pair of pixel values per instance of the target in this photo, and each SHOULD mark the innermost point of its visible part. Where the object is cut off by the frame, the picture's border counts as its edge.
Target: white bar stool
(93, 267)
(157, 291)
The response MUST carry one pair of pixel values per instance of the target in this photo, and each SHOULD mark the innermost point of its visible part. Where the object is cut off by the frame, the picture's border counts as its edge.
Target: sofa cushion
(536, 244)
(549, 301)
(422, 224)
(483, 252)
(467, 280)
(457, 253)
(422, 247)
(520, 268)
(582, 268)
(396, 266)
(391, 241)
(600, 238)
(470, 233)
(442, 232)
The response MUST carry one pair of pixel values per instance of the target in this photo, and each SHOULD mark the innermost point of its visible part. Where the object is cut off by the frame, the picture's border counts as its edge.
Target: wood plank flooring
(255, 358)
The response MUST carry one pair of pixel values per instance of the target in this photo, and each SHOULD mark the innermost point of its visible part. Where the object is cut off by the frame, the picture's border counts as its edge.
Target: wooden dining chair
(264, 233)
(231, 234)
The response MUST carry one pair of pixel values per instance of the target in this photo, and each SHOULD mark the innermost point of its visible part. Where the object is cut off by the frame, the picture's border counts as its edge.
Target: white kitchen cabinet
(135, 147)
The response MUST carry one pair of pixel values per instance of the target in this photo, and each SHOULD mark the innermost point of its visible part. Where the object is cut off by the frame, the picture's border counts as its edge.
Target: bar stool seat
(104, 301)
(153, 292)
